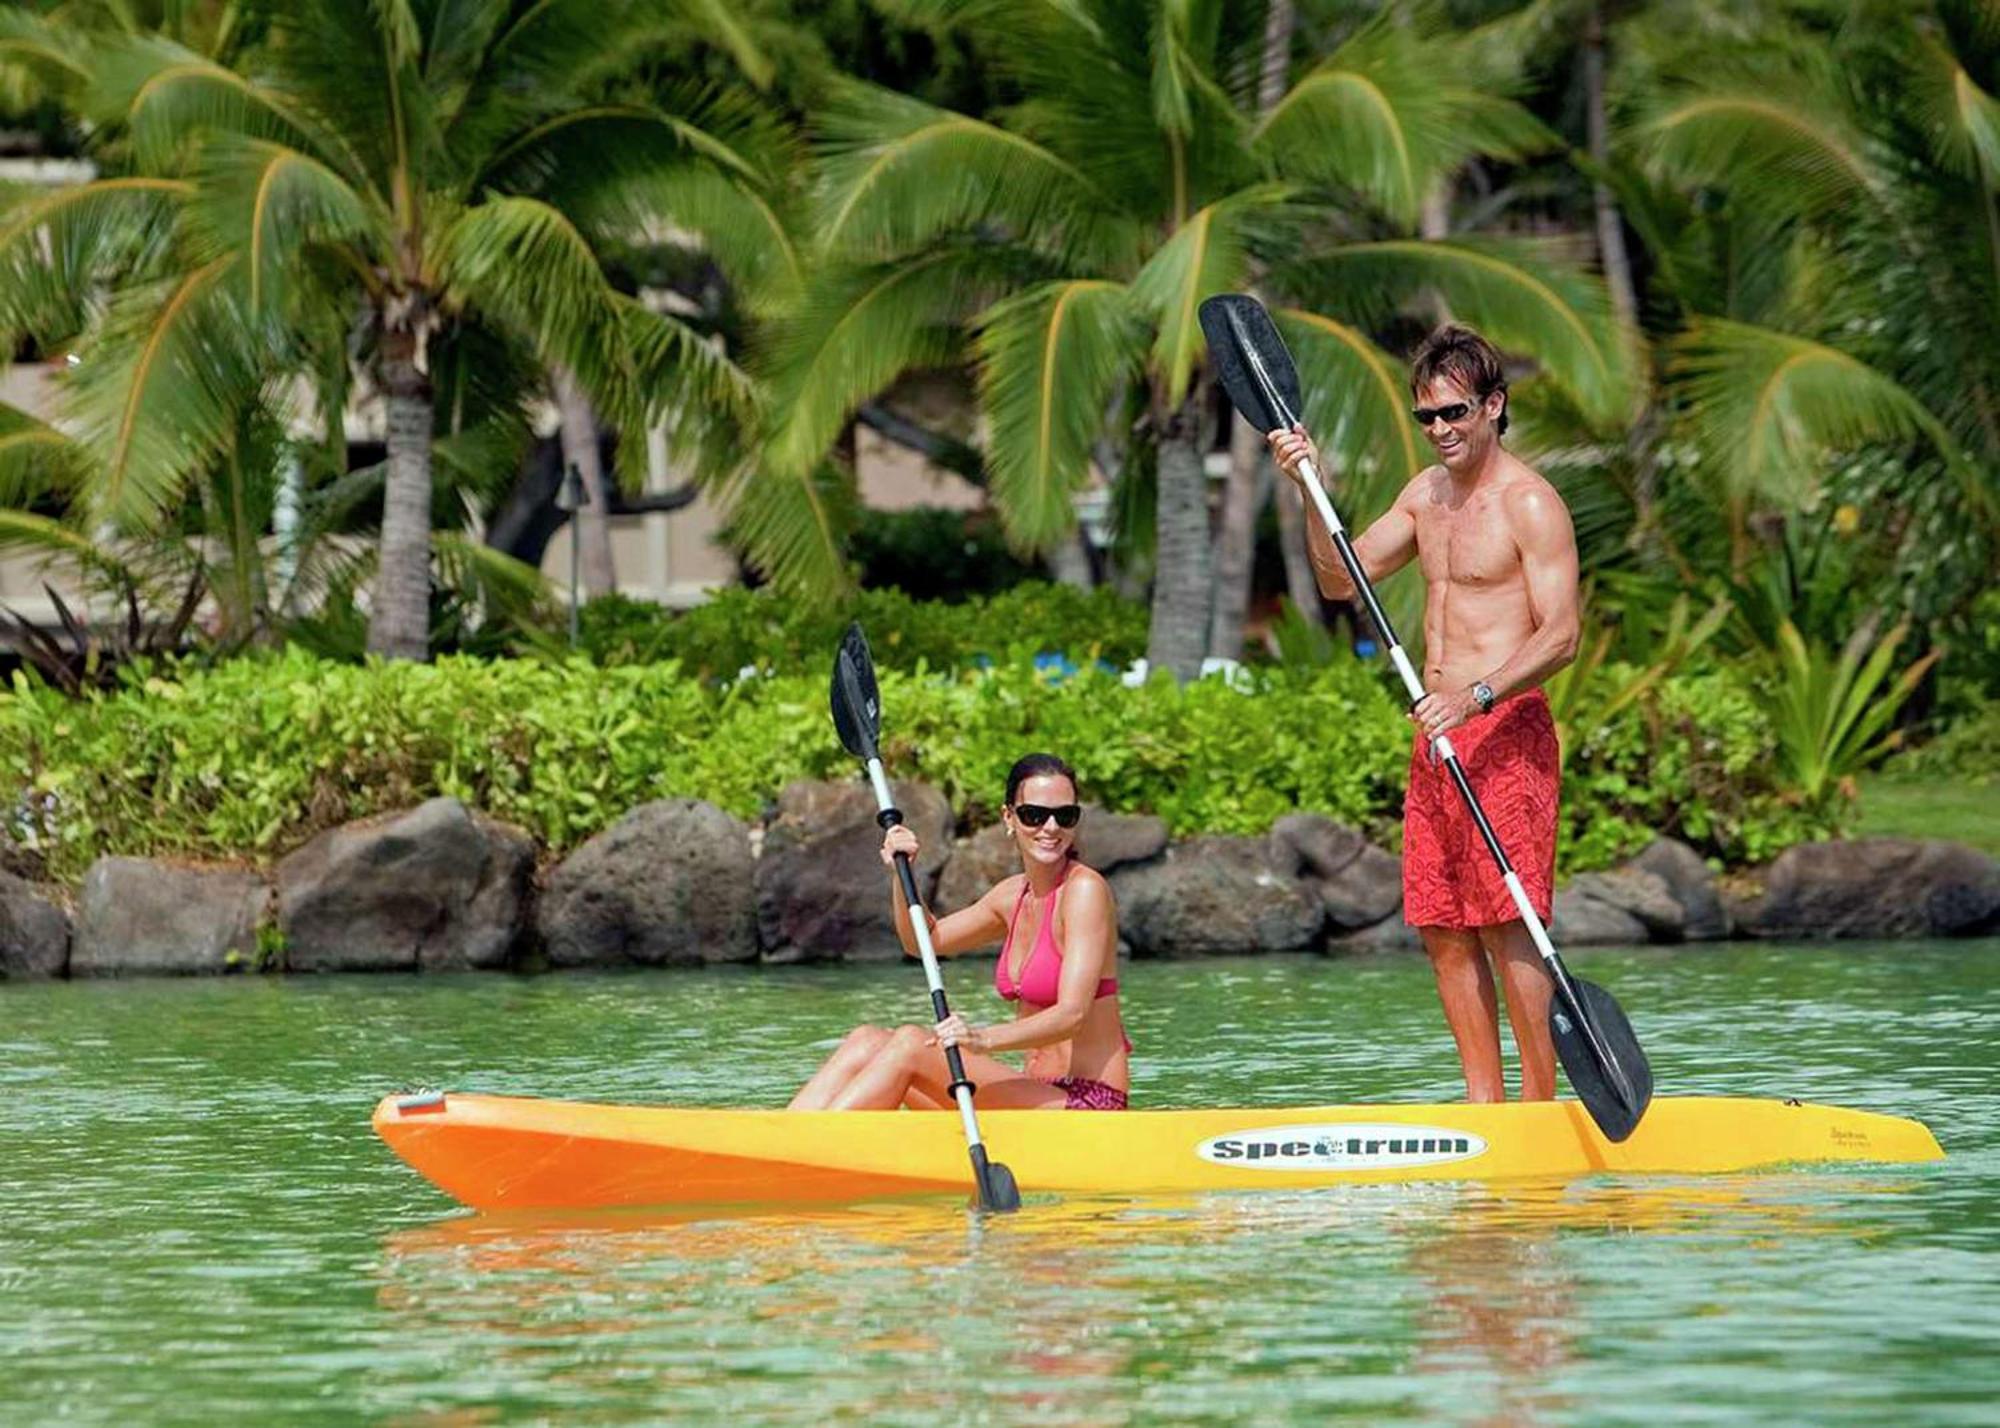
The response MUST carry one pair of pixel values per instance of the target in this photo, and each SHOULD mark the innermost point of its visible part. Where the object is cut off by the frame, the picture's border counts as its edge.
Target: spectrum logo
(1340, 1147)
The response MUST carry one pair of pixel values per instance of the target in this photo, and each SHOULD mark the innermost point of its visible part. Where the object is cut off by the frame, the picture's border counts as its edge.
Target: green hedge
(737, 629)
(252, 757)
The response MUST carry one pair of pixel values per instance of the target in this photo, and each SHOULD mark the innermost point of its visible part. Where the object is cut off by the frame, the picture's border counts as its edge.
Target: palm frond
(895, 173)
(859, 329)
(264, 203)
(1374, 117)
(503, 587)
(543, 59)
(1176, 73)
(59, 249)
(686, 383)
(158, 392)
(524, 265)
(1768, 408)
(717, 22)
(794, 528)
(1545, 310)
(165, 94)
(25, 533)
(1048, 360)
(1789, 150)
(359, 68)
(1964, 118)
(38, 60)
(35, 458)
(456, 34)
(1357, 407)
(481, 462)
(634, 169)
(1208, 255)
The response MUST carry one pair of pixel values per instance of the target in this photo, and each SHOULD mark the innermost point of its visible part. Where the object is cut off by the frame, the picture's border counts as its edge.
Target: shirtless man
(1500, 616)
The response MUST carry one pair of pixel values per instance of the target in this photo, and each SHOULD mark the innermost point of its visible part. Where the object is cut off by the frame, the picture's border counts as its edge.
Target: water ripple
(195, 1222)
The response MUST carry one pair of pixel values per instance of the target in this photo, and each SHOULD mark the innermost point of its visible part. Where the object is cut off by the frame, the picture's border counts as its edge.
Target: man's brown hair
(1464, 356)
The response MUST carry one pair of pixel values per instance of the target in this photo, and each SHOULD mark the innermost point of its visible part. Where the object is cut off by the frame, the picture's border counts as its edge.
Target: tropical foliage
(1063, 244)
(766, 632)
(412, 197)
(255, 755)
(1777, 426)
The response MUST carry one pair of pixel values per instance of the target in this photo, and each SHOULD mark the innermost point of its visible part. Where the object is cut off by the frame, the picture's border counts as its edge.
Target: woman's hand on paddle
(1439, 714)
(899, 839)
(1289, 448)
(954, 1030)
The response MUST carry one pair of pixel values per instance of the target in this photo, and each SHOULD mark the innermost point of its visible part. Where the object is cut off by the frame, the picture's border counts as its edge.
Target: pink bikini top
(1041, 974)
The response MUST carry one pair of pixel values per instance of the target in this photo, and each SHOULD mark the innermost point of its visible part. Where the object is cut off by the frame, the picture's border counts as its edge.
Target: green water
(197, 1224)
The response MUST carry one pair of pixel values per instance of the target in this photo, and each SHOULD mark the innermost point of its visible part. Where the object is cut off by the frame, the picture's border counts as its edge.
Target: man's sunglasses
(1456, 412)
(1034, 815)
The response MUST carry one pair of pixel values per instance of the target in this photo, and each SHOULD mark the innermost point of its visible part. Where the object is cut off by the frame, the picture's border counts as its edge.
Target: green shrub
(252, 757)
(1969, 674)
(1968, 751)
(932, 553)
(738, 629)
(1695, 759)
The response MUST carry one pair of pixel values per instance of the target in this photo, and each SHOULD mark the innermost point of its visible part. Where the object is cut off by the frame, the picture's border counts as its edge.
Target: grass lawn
(1904, 807)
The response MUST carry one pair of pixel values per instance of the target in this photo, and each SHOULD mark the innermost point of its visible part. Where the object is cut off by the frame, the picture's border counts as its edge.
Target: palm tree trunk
(1069, 562)
(1181, 569)
(1300, 582)
(1236, 540)
(1611, 254)
(1244, 492)
(399, 615)
(579, 448)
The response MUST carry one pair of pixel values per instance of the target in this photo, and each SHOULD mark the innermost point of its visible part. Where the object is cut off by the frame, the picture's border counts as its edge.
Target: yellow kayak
(510, 1152)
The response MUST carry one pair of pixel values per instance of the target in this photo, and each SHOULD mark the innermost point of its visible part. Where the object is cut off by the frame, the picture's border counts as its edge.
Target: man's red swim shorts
(1449, 878)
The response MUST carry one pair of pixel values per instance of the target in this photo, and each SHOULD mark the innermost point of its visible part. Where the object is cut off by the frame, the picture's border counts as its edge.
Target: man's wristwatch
(1482, 695)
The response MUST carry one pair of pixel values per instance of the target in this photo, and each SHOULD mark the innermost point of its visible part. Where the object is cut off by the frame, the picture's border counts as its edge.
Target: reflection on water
(195, 1223)
(1434, 1299)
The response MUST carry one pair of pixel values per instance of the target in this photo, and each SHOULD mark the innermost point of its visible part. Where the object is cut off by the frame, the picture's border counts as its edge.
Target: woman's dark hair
(1036, 766)
(1468, 359)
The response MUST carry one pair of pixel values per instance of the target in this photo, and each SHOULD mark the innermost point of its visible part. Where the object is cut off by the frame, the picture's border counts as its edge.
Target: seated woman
(1058, 934)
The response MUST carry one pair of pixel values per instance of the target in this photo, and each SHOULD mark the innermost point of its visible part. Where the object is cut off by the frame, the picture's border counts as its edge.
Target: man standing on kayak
(1494, 541)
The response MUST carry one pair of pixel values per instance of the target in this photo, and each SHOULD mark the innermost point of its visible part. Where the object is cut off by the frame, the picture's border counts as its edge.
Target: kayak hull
(520, 1153)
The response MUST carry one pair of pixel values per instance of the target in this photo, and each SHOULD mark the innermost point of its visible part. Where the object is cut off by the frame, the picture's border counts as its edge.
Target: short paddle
(1599, 1051)
(857, 715)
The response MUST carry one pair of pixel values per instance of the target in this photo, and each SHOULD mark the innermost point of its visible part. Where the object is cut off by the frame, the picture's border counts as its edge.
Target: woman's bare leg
(860, 1046)
(911, 1070)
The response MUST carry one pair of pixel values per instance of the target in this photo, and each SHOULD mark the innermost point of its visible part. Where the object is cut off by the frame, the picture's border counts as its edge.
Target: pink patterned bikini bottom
(1087, 1095)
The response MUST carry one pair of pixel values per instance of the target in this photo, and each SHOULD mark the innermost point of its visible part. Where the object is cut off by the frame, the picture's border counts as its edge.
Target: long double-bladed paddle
(1594, 1040)
(857, 715)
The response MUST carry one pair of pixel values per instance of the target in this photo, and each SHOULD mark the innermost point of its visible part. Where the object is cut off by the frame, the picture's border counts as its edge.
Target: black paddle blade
(1588, 1077)
(857, 702)
(997, 1190)
(1251, 360)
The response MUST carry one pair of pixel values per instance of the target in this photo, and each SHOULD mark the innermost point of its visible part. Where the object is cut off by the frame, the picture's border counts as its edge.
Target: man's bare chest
(1472, 546)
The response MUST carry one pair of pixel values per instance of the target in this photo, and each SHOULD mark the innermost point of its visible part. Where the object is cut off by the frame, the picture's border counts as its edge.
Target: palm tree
(1064, 247)
(1818, 188)
(375, 194)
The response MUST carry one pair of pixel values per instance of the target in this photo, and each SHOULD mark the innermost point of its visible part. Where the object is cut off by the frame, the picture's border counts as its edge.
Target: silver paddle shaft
(920, 925)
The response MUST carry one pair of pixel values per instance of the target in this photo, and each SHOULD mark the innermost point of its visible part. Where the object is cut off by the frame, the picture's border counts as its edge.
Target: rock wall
(681, 882)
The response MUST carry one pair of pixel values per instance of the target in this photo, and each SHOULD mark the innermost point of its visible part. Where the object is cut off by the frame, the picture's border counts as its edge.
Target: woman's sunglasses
(1034, 815)
(1456, 412)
